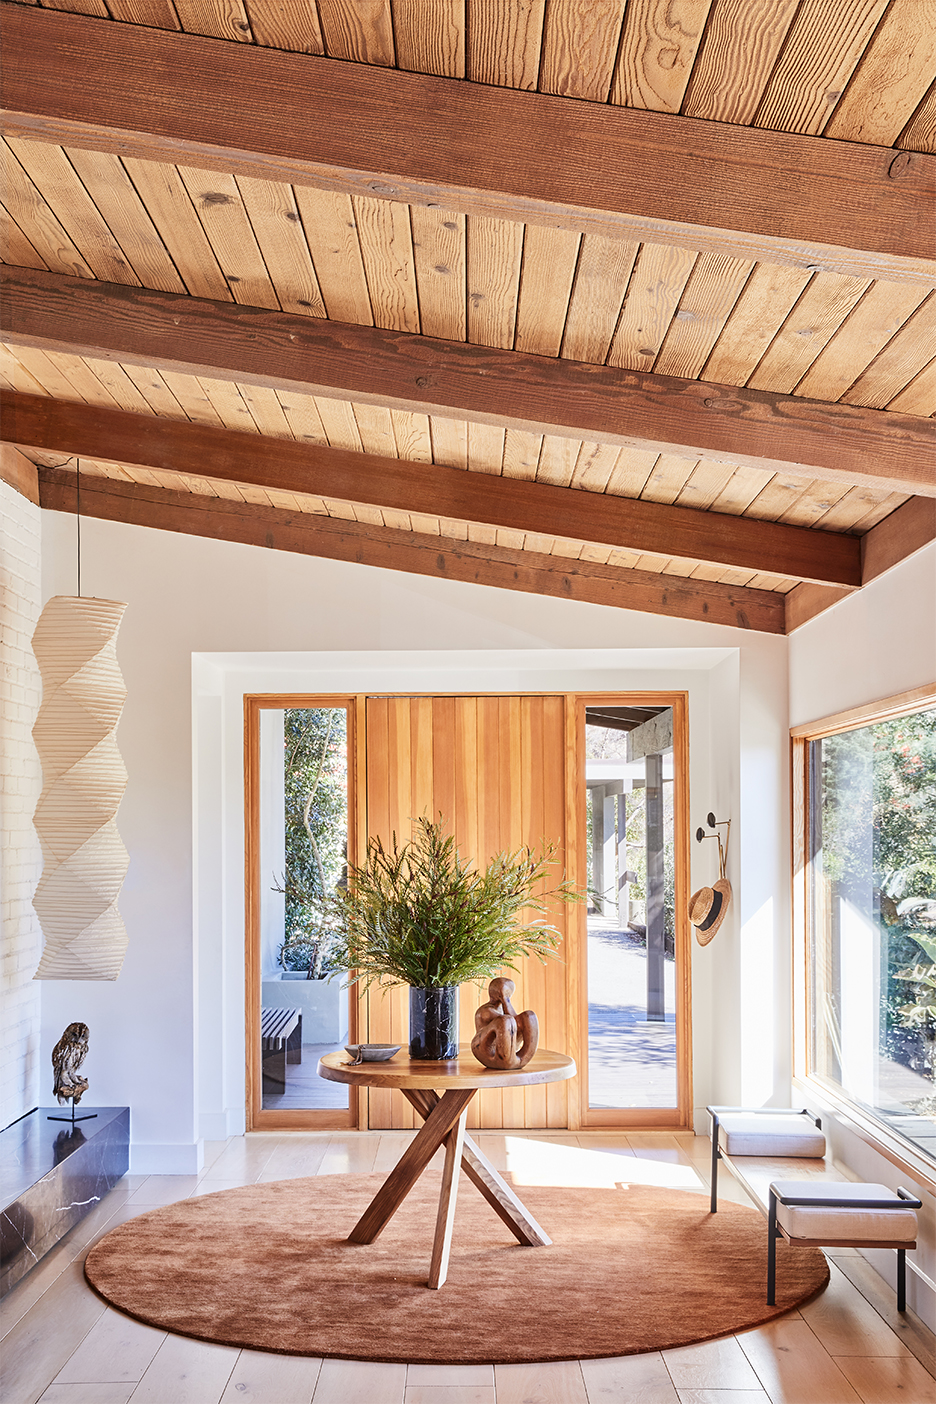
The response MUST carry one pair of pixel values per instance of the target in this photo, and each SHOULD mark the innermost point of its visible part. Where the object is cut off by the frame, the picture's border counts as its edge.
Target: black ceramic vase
(433, 1022)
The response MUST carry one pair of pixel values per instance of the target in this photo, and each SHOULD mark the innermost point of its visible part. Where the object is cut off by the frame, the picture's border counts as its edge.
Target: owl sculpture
(67, 1057)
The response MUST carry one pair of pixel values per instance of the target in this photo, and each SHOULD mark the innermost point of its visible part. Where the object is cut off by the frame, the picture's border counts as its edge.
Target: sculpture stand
(88, 1116)
(67, 1057)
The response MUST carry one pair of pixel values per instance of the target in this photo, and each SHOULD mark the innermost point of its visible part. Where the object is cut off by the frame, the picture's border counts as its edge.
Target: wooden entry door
(494, 769)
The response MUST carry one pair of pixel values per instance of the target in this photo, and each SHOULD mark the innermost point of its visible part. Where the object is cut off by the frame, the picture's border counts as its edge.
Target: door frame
(580, 1116)
(292, 1118)
(680, 1116)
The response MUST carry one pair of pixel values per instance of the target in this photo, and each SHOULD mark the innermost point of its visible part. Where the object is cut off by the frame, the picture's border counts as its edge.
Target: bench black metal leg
(772, 1233)
(901, 1279)
(715, 1159)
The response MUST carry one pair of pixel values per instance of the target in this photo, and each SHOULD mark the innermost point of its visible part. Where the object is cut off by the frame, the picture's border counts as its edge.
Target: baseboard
(921, 1298)
(701, 1122)
(150, 1159)
(877, 1287)
(217, 1126)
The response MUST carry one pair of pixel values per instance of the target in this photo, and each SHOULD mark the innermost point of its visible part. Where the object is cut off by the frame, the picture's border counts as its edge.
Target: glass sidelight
(302, 835)
(632, 914)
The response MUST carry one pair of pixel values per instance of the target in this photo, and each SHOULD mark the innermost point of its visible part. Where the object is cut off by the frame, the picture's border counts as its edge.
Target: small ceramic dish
(372, 1052)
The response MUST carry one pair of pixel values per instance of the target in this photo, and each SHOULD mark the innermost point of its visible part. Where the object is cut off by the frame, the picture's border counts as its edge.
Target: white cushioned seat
(741, 1133)
(828, 1223)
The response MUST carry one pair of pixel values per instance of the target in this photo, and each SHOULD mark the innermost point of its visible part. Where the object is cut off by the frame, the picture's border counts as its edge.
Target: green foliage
(634, 837)
(419, 914)
(316, 814)
(921, 1013)
(878, 785)
(879, 851)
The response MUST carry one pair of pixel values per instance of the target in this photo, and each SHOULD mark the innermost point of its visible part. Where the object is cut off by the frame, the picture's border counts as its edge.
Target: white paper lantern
(84, 860)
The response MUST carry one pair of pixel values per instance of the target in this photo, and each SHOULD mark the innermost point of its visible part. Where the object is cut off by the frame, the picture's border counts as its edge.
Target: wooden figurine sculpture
(67, 1057)
(504, 1039)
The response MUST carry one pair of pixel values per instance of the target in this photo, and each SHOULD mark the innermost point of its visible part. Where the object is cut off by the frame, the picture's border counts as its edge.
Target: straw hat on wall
(707, 909)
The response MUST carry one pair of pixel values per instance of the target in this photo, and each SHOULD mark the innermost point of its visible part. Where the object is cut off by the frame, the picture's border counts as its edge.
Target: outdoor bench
(280, 1043)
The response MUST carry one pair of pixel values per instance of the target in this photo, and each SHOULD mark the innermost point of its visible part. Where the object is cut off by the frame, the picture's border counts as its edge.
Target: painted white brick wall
(20, 784)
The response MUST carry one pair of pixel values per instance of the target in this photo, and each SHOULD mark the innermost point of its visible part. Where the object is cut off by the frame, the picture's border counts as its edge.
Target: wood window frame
(304, 1118)
(861, 1122)
(592, 1118)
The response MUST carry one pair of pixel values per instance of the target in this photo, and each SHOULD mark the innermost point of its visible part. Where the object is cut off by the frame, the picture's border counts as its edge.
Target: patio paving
(632, 1063)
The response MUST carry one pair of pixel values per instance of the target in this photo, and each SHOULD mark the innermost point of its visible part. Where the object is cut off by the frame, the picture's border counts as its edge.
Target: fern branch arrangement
(419, 914)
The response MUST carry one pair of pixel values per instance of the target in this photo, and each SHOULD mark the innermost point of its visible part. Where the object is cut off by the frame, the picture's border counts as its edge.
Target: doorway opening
(604, 777)
(632, 773)
(629, 777)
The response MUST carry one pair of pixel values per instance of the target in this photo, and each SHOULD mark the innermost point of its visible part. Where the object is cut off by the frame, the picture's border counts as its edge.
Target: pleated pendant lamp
(84, 777)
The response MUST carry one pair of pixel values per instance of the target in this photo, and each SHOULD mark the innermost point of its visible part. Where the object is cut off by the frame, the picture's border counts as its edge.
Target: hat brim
(721, 898)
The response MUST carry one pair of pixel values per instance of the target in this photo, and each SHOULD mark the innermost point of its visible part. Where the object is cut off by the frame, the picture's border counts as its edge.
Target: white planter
(323, 1005)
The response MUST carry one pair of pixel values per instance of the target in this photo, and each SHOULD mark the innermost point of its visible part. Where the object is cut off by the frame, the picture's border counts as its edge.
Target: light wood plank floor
(61, 1345)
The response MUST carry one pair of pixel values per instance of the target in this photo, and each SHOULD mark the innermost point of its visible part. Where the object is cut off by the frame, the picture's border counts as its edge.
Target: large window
(870, 892)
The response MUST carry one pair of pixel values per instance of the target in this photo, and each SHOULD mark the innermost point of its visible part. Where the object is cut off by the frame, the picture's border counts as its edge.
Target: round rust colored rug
(267, 1267)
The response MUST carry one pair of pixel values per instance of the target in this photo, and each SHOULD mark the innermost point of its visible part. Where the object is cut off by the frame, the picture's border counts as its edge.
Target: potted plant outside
(305, 952)
(419, 914)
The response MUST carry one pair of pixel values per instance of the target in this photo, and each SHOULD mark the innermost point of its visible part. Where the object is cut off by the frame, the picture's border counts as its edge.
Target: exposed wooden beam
(18, 472)
(167, 96)
(120, 437)
(444, 559)
(780, 433)
(805, 601)
(907, 530)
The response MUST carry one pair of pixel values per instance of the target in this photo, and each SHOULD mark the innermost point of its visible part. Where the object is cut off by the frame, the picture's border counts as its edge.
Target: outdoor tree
(879, 852)
(316, 816)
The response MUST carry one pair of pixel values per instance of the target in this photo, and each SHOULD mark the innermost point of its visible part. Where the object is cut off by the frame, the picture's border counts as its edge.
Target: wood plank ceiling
(656, 303)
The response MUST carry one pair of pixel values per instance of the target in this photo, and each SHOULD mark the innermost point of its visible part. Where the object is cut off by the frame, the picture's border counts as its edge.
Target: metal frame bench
(280, 1043)
(817, 1212)
(843, 1215)
(772, 1139)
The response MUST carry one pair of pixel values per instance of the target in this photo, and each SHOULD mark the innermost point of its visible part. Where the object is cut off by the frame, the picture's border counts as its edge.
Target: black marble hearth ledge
(51, 1176)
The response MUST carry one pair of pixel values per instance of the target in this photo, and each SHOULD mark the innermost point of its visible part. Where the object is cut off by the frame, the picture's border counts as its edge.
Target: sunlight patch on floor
(533, 1162)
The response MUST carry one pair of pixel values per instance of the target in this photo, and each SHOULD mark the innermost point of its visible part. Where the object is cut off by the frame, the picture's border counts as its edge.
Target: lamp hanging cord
(78, 519)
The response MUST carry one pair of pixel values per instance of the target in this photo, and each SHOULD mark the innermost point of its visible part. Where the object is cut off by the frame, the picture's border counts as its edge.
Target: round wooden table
(441, 1092)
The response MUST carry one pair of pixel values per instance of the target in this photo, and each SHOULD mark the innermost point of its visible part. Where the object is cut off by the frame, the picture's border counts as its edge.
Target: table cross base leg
(411, 1164)
(441, 1093)
(445, 1220)
(485, 1178)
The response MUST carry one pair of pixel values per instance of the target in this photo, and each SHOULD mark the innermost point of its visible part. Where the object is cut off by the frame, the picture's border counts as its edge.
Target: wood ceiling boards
(684, 222)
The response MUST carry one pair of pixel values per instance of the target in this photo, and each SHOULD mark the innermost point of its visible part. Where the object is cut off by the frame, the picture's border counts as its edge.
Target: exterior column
(597, 840)
(609, 888)
(655, 908)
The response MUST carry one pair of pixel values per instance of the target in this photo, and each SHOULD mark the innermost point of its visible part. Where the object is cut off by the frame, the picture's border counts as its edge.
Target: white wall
(871, 646)
(156, 1044)
(20, 855)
